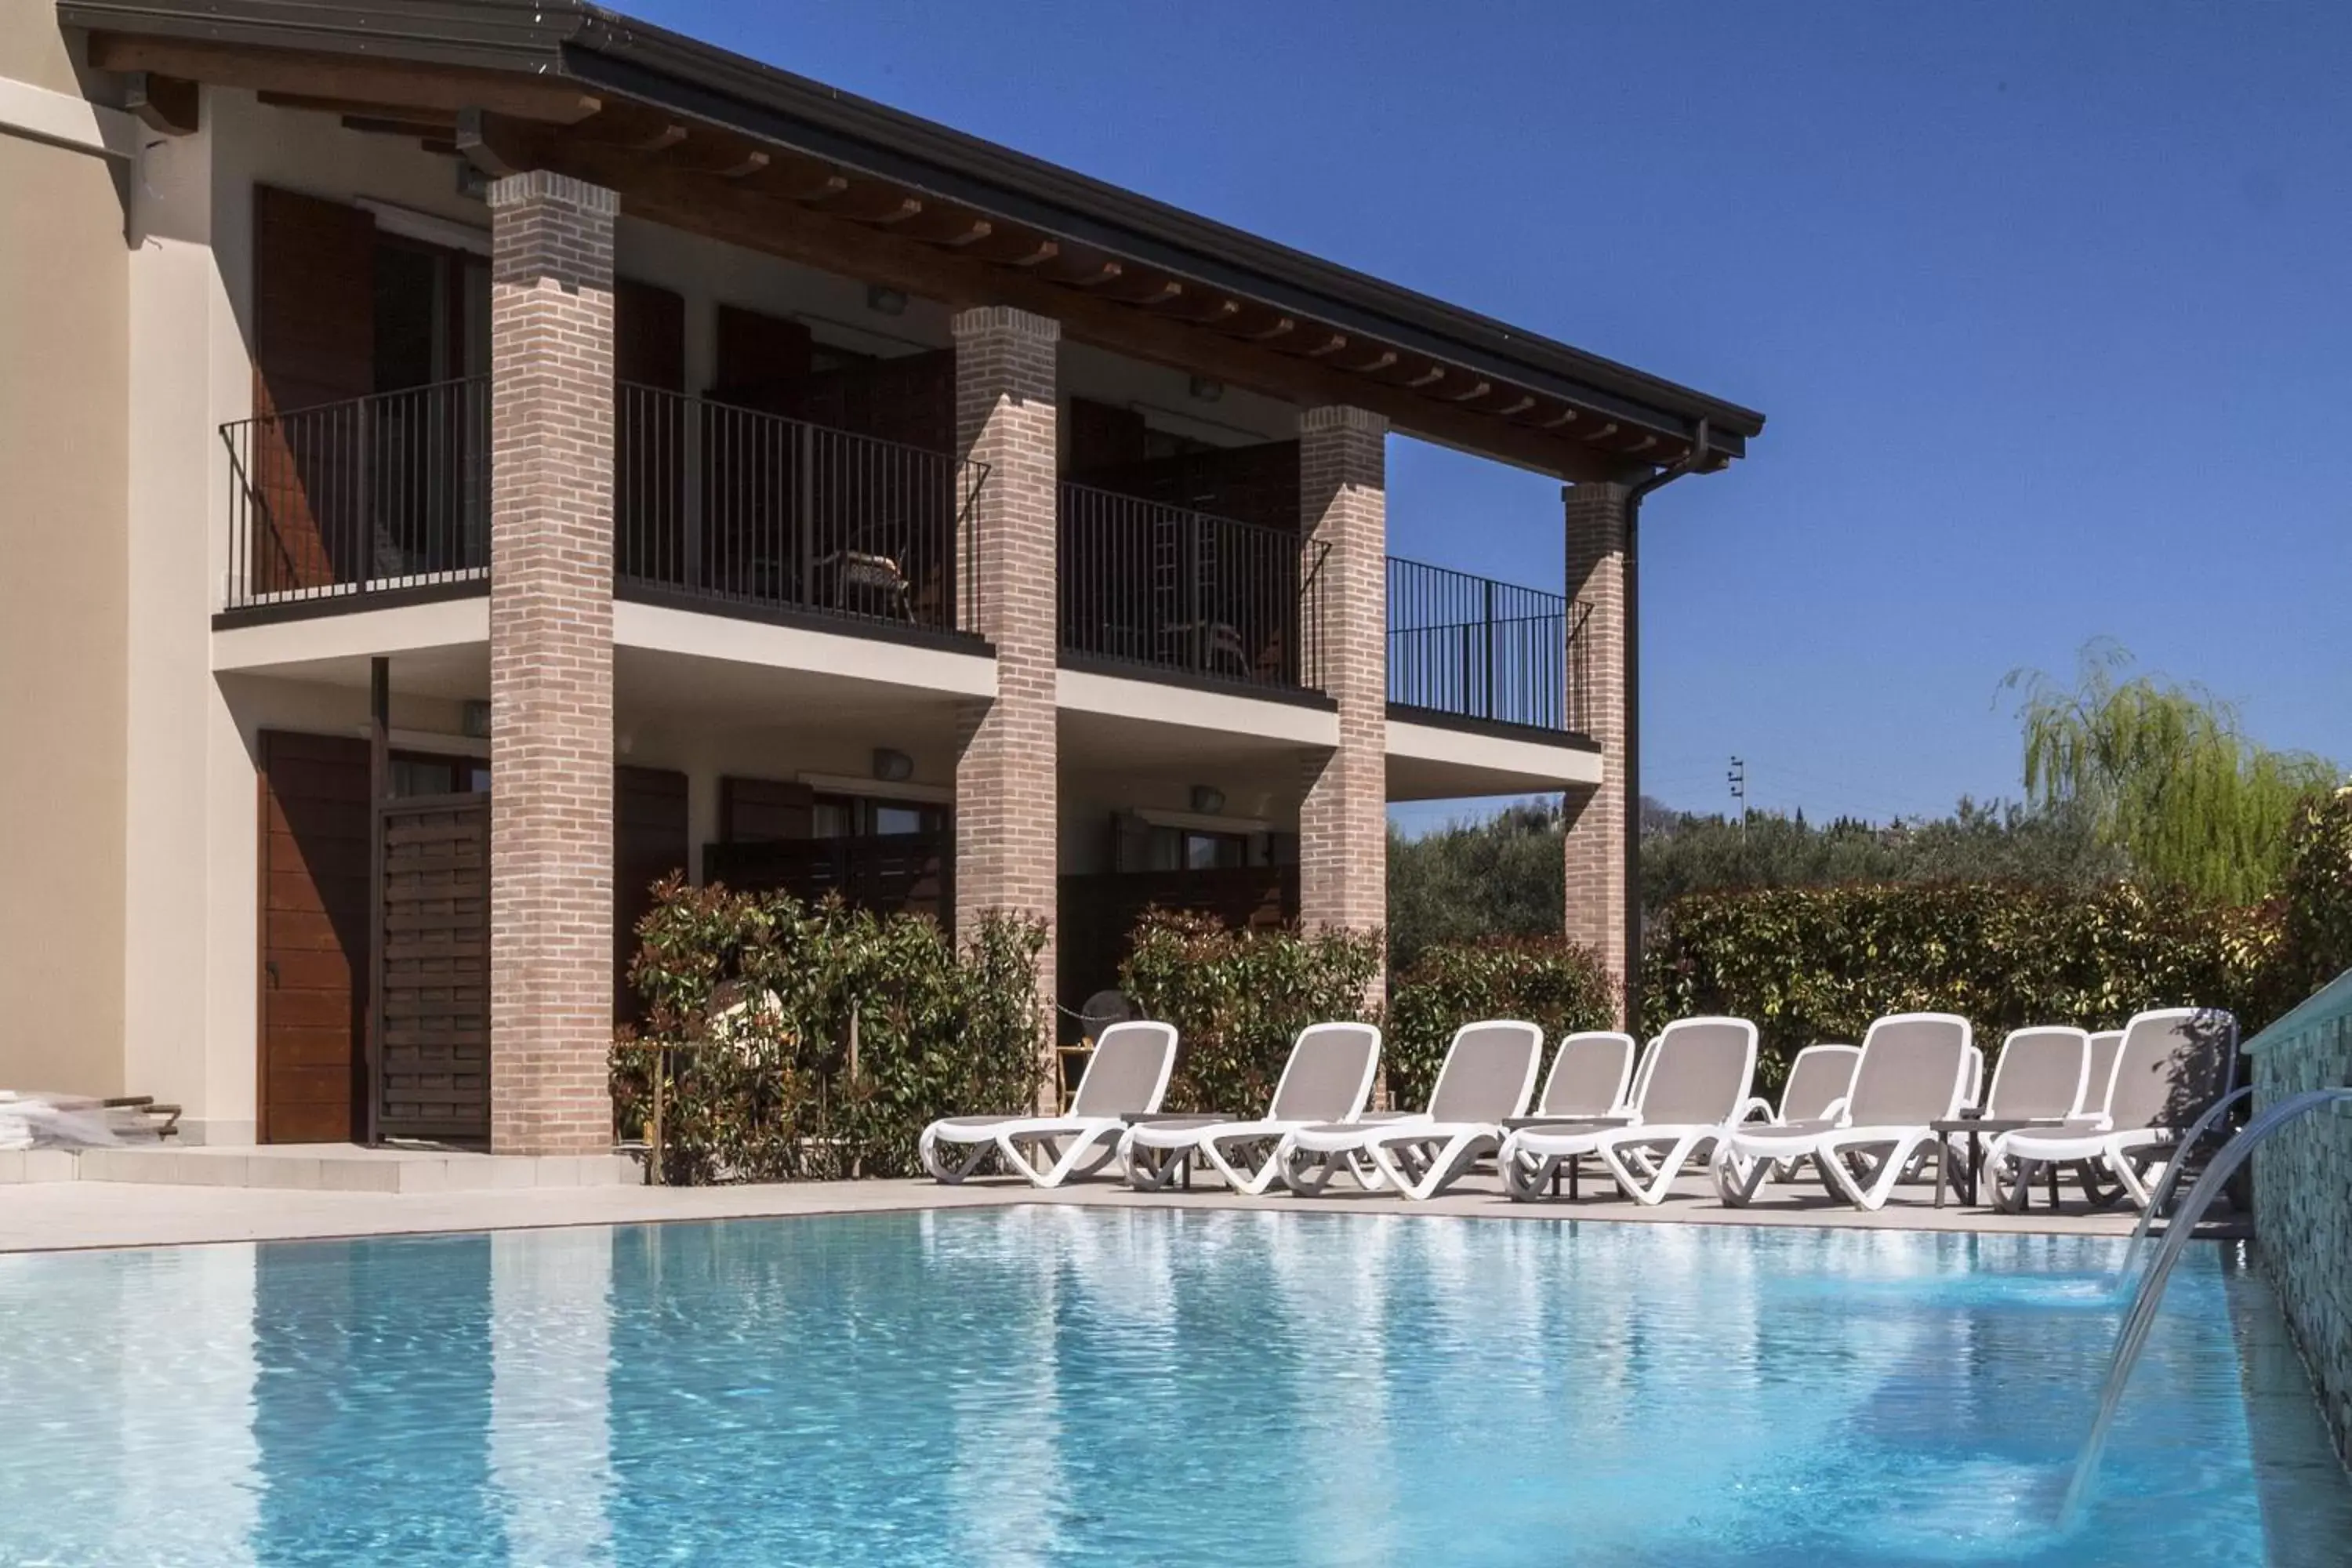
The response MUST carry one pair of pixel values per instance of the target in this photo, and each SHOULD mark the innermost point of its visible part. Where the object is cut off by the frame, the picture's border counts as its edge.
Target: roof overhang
(700, 138)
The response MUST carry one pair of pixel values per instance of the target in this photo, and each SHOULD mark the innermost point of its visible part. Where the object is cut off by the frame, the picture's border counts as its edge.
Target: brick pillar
(551, 665)
(1006, 834)
(1596, 817)
(1343, 819)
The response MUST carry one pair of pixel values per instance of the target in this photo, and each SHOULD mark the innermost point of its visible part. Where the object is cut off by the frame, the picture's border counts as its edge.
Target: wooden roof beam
(399, 84)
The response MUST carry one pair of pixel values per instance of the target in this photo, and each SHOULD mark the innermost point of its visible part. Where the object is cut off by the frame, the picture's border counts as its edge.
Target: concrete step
(339, 1168)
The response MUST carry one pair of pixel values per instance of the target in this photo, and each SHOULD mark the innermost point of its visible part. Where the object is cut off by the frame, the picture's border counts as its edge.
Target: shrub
(754, 1001)
(1238, 998)
(1819, 963)
(2316, 895)
(1548, 981)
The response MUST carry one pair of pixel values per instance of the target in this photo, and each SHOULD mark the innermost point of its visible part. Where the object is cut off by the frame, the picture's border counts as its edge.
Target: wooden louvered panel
(433, 1073)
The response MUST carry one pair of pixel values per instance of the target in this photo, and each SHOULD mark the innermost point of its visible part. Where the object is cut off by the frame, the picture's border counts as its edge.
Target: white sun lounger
(1820, 1077)
(1328, 1078)
(1914, 1069)
(1126, 1075)
(2171, 1065)
(1693, 1084)
(1488, 1073)
(1589, 1077)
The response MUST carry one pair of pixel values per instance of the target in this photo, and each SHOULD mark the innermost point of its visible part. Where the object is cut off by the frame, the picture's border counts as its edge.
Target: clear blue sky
(2050, 307)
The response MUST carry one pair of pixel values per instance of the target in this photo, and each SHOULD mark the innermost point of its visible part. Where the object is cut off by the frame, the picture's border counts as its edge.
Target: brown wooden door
(314, 936)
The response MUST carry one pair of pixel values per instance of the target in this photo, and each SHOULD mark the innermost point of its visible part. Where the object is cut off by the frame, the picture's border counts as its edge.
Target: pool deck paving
(64, 1215)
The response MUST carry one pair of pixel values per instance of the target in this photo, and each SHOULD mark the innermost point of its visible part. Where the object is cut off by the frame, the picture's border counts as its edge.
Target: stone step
(335, 1168)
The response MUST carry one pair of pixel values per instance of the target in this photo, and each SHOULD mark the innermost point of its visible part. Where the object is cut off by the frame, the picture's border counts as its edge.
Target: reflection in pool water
(1054, 1385)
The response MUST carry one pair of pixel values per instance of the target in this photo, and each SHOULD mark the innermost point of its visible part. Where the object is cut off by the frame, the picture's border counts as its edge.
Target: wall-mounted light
(1208, 799)
(475, 718)
(1206, 389)
(892, 767)
(888, 302)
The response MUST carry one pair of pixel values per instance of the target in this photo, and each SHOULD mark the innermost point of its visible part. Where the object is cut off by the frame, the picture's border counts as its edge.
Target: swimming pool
(1059, 1384)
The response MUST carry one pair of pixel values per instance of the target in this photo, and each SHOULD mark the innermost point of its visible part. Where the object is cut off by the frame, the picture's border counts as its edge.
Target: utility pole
(1738, 777)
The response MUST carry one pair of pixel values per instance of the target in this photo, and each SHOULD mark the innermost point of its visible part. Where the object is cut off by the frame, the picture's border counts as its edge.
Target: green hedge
(1819, 963)
(1548, 981)
(752, 998)
(1239, 997)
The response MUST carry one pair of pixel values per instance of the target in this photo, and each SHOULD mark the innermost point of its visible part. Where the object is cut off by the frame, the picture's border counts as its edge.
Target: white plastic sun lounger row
(2164, 1069)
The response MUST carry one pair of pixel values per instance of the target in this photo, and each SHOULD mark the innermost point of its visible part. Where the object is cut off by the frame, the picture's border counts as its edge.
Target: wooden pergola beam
(394, 83)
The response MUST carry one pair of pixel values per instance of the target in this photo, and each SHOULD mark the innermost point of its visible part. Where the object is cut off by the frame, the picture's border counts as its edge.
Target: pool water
(1055, 1384)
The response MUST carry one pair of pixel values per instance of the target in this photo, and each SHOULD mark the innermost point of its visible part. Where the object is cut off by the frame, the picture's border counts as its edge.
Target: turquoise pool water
(1046, 1385)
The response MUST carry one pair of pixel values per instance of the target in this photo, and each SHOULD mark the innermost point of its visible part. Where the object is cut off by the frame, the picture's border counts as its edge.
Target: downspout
(1689, 462)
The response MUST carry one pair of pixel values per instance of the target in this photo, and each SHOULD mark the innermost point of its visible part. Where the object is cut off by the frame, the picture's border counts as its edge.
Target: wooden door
(314, 937)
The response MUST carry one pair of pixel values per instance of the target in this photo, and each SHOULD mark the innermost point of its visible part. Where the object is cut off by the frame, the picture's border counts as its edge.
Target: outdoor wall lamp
(889, 301)
(1205, 389)
(1208, 799)
(892, 767)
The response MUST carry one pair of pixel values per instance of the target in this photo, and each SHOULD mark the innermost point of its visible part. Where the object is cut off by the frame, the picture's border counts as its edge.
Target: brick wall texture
(2301, 1177)
(1005, 829)
(1343, 816)
(1595, 848)
(551, 665)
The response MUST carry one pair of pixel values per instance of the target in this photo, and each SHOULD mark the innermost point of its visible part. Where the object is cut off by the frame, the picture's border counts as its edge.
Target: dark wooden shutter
(761, 811)
(1103, 436)
(648, 335)
(650, 432)
(313, 345)
(649, 842)
(761, 359)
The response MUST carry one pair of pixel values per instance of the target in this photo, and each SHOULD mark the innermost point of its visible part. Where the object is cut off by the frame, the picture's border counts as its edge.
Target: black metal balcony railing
(1166, 588)
(364, 496)
(1478, 648)
(740, 509)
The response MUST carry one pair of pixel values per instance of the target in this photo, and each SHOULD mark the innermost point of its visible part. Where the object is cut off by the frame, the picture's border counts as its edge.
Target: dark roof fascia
(636, 59)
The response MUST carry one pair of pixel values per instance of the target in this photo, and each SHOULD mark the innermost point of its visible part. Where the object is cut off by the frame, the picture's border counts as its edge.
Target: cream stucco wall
(63, 391)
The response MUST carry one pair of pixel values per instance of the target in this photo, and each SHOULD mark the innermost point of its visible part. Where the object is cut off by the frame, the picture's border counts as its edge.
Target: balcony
(1464, 647)
(386, 499)
(369, 500)
(735, 511)
(1165, 592)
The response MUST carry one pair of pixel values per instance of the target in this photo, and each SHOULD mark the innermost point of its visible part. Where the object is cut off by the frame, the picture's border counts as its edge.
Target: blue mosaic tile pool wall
(2302, 1191)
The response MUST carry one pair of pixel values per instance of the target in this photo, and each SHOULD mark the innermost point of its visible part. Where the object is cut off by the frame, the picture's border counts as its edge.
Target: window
(862, 816)
(1214, 851)
(412, 774)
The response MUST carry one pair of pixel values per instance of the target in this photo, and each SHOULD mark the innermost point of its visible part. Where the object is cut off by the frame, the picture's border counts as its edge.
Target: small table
(1575, 1162)
(1976, 1127)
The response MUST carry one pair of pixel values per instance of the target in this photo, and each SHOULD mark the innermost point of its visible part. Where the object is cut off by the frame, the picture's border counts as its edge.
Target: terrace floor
(44, 1216)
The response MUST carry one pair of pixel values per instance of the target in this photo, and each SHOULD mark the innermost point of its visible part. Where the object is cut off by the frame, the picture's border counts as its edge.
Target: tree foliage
(2167, 774)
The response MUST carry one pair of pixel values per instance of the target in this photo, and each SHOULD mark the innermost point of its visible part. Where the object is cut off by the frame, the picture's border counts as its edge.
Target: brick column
(1596, 817)
(551, 665)
(1006, 834)
(1343, 819)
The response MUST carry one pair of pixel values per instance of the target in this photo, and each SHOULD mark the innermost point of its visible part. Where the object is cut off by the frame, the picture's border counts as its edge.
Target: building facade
(486, 458)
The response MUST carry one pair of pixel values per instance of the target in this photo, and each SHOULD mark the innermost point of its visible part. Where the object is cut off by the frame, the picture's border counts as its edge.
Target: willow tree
(2168, 774)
